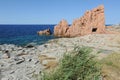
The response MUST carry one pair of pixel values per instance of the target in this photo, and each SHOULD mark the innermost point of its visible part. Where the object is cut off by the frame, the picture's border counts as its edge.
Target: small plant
(77, 65)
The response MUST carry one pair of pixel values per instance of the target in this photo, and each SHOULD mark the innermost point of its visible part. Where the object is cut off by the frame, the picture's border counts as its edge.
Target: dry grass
(115, 41)
(48, 62)
(118, 40)
(45, 57)
(111, 67)
(51, 64)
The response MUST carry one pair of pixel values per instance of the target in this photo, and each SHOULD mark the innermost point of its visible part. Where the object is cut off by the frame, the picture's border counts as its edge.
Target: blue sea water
(23, 34)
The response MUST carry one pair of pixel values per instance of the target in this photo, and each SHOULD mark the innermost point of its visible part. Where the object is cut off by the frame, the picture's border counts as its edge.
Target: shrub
(77, 65)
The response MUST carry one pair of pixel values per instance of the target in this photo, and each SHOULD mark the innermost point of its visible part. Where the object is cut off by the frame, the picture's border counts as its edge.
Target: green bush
(77, 65)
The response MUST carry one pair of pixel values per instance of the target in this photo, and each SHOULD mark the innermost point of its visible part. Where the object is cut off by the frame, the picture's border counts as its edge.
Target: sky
(52, 11)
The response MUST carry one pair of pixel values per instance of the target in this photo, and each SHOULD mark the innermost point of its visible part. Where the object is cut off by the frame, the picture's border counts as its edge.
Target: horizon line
(28, 24)
(42, 24)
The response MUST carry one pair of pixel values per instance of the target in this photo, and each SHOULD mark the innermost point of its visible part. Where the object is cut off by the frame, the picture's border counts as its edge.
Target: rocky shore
(26, 63)
(18, 63)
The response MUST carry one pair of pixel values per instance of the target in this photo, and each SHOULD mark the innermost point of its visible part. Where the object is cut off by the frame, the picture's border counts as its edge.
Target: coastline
(59, 40)
(25, 62)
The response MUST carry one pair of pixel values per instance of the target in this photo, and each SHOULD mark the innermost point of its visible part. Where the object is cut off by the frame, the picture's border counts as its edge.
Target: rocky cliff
(92, 21)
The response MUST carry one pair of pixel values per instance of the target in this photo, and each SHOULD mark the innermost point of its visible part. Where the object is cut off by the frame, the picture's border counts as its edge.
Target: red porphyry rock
(44, 32)
(92, 21)
(61, 29)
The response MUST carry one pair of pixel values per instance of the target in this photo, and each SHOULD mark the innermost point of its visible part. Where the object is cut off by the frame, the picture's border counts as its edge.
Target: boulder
(30, 45)
(91, 22)
(44, 32)
(6, 55)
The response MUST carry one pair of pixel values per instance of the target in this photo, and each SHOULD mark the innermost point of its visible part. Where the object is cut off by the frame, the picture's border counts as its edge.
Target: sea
(22, 35)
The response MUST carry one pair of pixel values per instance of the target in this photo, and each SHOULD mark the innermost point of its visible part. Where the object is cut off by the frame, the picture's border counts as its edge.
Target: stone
(21, 61)
(6, 55)
(12, 72)
(44, 32)
(91, 22)
(30, 45)
(29, 60)
(45, 46)
(36, 62)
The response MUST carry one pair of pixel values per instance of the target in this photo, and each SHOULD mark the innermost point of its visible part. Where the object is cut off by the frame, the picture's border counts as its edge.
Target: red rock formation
(44, 32)
(92, 22)
(61, 28)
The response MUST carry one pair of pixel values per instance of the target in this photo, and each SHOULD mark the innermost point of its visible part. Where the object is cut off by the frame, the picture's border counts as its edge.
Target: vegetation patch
(76, 65)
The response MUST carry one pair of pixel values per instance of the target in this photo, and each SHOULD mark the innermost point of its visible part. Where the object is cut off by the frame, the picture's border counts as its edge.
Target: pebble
(5, 56)
(36, 62)
(20, 60)
(29, 60)
(12, 72)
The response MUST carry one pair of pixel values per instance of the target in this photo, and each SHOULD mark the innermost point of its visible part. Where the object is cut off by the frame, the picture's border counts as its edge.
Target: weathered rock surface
(61, 28)
(93, 21)
(44, 32)
(27, 63)
(19, 63)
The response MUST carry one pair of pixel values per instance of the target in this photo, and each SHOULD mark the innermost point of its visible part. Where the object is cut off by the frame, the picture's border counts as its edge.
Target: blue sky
(52, 11)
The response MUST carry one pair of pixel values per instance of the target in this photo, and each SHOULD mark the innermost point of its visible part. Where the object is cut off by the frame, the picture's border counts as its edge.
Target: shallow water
(23, 34)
